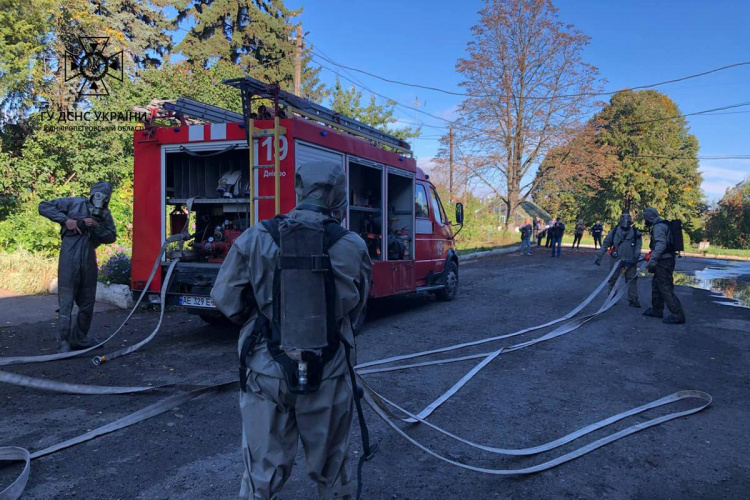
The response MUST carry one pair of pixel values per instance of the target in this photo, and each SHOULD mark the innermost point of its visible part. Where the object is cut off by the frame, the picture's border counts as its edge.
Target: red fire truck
(206, 166)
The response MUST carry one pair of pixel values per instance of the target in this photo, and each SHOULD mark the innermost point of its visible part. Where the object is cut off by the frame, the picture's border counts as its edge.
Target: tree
(348, 102)
(36, 34)
(253, 34)
(571, 177)
(636, 152)
(657, 157)
(728, 224)
(528, 89)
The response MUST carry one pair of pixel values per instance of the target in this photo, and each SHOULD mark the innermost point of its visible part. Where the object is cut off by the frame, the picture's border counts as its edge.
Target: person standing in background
(549, 232)
(542, 233)
(558, 230)
(596, 232)
(526, 231)
(578, 234)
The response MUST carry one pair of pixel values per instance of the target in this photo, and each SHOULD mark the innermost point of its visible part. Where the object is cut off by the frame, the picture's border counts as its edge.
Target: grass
(721, 252)
(26, 273)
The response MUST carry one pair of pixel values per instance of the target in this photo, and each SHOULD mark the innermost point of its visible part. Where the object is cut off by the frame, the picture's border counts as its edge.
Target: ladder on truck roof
(252, 89)
(206, 112)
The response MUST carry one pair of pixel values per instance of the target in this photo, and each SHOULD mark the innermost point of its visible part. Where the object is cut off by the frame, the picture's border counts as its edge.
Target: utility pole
(298, 64)
(450, 165)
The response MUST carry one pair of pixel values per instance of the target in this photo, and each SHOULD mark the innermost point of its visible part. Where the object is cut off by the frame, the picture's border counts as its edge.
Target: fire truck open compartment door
(400, 228)
(366, 204)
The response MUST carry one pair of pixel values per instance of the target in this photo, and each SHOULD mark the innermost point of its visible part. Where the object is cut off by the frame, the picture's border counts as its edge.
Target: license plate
(196, 301)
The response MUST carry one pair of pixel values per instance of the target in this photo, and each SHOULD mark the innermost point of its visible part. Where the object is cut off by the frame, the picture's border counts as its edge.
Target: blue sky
(633, 42)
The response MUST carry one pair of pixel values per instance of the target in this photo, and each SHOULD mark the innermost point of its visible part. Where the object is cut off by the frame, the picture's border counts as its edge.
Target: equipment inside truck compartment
(366, 205)
(219, 184)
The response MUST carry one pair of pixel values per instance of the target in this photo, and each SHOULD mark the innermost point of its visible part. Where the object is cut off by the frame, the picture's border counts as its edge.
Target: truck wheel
(216, 320)
(357, 327)
(451, 283)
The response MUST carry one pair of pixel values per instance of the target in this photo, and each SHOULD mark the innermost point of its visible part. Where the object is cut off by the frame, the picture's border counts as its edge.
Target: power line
(730, 106)
(381, 95)
(582, 94)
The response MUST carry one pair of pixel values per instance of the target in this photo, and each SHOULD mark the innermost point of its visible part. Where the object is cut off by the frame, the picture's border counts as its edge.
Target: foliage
(116, 270)
(520, 64)
(728, 224)
(348, 102)
(26, 273)
(641, 154)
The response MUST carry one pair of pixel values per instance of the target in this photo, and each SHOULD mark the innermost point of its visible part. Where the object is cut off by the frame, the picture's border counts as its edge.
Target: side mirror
(459, 213)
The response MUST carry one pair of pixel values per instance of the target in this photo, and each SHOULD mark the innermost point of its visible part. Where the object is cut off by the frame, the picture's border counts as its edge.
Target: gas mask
(100, 202)
(626, 221)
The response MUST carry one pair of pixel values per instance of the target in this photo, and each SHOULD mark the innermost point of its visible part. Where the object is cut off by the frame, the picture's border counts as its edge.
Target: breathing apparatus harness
(299, 338)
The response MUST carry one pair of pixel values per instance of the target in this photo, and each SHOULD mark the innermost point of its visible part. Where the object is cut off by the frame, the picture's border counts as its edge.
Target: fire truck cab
(198, 179)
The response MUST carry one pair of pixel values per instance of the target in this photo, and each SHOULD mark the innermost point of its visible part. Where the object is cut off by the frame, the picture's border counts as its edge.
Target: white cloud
(717, 179)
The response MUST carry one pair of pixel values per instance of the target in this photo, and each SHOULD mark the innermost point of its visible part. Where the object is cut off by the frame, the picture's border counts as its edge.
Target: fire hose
(381, 405)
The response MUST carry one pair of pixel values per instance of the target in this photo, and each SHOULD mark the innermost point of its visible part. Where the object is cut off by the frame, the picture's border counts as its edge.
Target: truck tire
(357, 327)
(450, 290)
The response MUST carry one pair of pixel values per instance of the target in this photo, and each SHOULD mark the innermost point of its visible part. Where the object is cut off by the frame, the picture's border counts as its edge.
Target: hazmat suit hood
(626, 221)
(101, 187)
(322, 184)
(651, 216)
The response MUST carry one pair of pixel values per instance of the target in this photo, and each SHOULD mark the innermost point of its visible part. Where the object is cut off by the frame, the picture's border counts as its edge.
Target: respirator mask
(626, 221)
(100, 202)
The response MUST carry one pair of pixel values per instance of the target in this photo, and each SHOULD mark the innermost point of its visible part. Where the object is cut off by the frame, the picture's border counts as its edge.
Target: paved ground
(16, 309)
(611, 364)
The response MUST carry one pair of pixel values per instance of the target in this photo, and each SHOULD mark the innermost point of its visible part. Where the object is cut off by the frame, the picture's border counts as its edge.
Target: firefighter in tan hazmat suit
(273, 416)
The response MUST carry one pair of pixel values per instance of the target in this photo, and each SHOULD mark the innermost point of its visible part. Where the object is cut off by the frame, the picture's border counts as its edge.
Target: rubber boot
(634, 303)
(653, 314)
(63, 347)
(674, 320)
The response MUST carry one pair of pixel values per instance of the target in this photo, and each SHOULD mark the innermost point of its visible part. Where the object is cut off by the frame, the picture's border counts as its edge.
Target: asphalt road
(613, 363)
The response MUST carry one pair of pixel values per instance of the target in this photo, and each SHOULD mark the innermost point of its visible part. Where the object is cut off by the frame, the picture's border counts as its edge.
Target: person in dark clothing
(625, 242)
(596, 232)
(578, 234)
(85, 224)
(661, 264)
(526, 231)
(557, 229)
(549, 233)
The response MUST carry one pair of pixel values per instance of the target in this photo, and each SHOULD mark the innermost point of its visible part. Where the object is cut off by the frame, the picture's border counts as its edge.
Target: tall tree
(36, 34)
(657, 156)
(529, 87)
(254, 34)
(637, 152)
(348, 102)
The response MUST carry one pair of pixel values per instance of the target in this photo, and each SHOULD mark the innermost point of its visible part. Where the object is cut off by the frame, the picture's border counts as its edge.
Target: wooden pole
(298, 64)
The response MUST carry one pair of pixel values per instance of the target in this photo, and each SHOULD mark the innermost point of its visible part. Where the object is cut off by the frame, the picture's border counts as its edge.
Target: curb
(488, 253)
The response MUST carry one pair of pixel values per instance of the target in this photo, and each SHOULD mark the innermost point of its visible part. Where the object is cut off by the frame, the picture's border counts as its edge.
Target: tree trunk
(510, 209)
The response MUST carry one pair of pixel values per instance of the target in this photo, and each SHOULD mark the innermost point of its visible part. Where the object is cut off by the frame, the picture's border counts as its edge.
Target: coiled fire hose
(382, 405)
